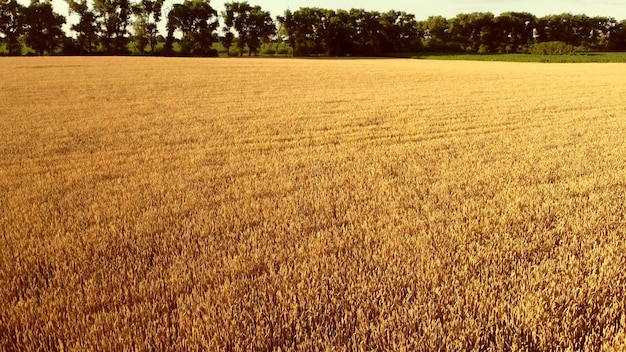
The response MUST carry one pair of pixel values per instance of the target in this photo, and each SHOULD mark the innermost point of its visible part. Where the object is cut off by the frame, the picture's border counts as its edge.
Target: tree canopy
(197, 21)
(115, 27)
(148, 15)
(12, 25)
(252, 24)
(43, 27)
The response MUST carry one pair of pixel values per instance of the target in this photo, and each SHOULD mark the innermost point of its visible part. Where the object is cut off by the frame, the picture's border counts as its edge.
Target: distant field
(577, 58)
(301, 204)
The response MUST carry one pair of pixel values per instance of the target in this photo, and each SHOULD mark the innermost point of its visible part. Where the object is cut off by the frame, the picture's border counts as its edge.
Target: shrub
(483, 49)
(552, 48)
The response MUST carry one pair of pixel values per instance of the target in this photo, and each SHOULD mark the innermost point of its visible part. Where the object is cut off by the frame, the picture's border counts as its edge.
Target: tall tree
(315, 31)
(603, 33)
(262, 29)
(399, 32)
(12, 25)
(252, 24)
(617, 36)
(148, 14)
(514, 31)
(288, 29)
(43, 27)
(435, 32)
(113, 18)
(340, 33)
(558, 28)
(237, 16)
(368, 28)
(86, 28)
(197, 21)
(302, 28)
(473, 32)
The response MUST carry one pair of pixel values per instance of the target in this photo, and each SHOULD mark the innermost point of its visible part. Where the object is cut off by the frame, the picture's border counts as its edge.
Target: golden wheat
(254, 204)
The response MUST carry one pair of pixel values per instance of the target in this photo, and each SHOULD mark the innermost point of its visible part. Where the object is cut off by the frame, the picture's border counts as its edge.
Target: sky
(423, 8)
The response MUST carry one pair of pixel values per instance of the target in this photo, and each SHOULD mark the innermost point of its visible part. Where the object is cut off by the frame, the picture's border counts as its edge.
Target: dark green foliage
(435, 32)
(86, 28)
(44, 31)
(113, 18)
(70, 47)
(513, 32)
(400, 32)
(12, 25)
(253, 25)
(474, 32)
(103, 27)
(317, 31)
(197, 21)
(148, 16)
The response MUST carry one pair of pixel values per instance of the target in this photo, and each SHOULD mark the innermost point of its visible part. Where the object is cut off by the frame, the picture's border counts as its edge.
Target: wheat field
(311, 204)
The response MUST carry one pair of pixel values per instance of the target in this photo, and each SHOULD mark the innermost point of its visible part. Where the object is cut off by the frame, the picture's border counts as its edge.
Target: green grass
(581, 57)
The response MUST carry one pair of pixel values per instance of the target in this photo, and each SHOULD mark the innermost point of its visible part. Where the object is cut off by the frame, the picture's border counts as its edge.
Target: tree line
(113, 27)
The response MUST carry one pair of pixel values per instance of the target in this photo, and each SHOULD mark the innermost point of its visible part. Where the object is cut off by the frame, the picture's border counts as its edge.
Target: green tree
(368, 28)
(252, 24)
(262, 30)
(617, 36)
(597, 33)
(288, 30)
(315, 31)
(474, 32)
(44, 32)
(340, 33)
(113, 18)
(436, 34)
(603, 33)
(514, 31)
(12, 25)
(399, 32)
(303, 29)
(148, 16)
(319, 19)
(197, 21)
(562, 28)
(86, 28)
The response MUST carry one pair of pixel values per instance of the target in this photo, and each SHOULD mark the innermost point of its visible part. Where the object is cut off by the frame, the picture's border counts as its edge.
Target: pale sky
(422, 8)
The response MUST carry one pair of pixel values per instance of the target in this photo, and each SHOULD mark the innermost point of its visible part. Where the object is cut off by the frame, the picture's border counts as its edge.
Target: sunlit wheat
(260, 204)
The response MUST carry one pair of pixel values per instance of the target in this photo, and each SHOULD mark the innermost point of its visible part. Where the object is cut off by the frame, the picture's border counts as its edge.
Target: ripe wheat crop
(254, 204)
